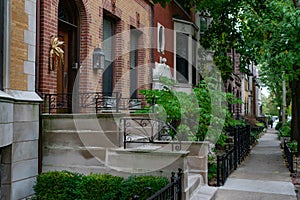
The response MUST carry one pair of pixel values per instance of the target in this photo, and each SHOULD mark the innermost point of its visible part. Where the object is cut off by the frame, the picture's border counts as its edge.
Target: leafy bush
(278, 126)
(212, 170)
(58, 185)
(254, 135)
(100, 186)
(137, 185)
(285, 131)
(194, 113)
(222, 140)
(66, 185)
(293, 145)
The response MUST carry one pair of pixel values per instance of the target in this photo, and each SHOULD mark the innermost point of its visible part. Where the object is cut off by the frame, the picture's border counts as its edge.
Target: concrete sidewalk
(262, 176)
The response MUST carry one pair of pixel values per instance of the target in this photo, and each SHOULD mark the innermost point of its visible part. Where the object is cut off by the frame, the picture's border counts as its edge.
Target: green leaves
(66, 185)
(197, 114)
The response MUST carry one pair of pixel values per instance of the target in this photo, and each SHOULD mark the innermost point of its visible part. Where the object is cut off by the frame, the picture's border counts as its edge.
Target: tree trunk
(283, 101)
(295, 126)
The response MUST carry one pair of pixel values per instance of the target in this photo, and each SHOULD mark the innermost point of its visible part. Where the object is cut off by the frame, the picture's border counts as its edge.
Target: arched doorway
(68, 32)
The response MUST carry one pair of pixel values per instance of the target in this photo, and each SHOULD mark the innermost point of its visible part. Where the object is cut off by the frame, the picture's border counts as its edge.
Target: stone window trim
(160, 38)
(5, 61)
(191, 31)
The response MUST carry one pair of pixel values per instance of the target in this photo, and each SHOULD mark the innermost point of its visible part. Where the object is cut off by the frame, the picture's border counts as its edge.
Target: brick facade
(18, 79)
(165, 16)
(126, 15)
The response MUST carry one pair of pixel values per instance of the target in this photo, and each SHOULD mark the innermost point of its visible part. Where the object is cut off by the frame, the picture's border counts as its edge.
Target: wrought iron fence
(172, 191)
(289, 155)
(228, 162)
(93, 102)
(146, 130)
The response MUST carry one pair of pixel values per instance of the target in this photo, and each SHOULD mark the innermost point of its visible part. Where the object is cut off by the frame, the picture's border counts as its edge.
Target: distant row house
(59, 56)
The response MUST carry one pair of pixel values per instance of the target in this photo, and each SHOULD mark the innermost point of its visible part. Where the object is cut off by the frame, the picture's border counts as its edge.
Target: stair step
(194, 182)
(205, 192)
(81, 122)
(109, 139)
(144, 160)
(70, 156)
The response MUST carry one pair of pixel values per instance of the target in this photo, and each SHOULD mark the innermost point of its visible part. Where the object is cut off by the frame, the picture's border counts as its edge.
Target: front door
(68, 32)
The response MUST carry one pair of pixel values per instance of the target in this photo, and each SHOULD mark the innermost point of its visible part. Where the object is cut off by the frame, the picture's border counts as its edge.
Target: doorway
(68, 32)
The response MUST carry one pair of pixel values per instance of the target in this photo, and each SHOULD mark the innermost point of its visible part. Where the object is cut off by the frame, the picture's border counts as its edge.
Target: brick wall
(164, 16)
(18, 79)
(127, 14)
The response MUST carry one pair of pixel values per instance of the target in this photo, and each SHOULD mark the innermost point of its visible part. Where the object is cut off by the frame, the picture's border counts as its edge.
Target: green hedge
(136, 185)
(58, 185)
(66, 185)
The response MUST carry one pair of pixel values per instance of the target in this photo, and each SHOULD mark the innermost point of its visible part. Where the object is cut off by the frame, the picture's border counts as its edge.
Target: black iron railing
(226, 164)
(289, 155)
(172, 191)
(93, 102)
(228, 161)
(147, 130)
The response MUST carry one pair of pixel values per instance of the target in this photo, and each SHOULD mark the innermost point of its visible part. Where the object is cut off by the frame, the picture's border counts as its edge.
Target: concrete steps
(204, 192)
(197, 189)
(86, 144)
(82, 138)
(145, 161)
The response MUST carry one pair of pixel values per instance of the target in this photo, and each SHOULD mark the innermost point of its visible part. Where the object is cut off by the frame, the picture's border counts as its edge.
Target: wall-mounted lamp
(98, 58)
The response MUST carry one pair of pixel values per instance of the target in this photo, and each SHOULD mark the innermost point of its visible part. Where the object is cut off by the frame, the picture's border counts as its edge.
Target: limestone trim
(27, 96)
(6, 53)
(30, 40)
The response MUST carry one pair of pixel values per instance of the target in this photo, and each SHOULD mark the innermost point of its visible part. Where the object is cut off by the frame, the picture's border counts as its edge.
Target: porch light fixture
(98, 58)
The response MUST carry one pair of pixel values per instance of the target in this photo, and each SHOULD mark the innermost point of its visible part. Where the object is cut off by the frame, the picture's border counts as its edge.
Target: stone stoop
(194, 181)
(145, 161)
(204, 192)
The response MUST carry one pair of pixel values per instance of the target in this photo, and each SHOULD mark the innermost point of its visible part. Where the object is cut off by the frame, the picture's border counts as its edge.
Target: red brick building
(84, 26)
(176, 41)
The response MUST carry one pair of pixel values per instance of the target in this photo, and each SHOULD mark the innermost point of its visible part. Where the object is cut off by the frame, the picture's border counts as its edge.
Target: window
(1, 42)
(182, 53)
(194, 62)
(161, 38)
(134, 35)
(107, 78)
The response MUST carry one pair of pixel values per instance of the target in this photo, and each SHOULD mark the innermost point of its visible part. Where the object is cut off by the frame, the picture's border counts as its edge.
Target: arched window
(66, 12)
(161, 38)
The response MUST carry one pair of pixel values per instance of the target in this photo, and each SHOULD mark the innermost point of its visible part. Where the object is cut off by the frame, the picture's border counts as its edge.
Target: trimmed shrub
(66, 185)
(137, 185)
(58, 185)
(100, 186)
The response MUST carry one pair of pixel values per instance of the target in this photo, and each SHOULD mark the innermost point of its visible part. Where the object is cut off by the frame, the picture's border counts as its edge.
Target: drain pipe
(37, 81)
(153, 45)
